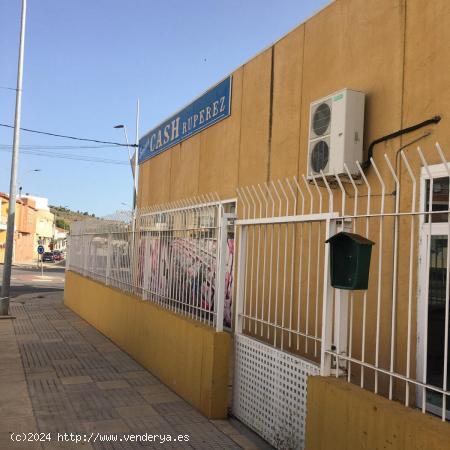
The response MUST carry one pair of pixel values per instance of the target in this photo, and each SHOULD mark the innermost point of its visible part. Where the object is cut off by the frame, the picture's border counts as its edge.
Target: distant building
(41, 202)
(25, 228)
(60, 239)
(45, 223)
(25, 231)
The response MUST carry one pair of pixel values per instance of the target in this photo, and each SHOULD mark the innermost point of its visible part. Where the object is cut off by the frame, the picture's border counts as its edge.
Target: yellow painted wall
(191, 358)
(219, 152)
(342, 416)
(287, 100)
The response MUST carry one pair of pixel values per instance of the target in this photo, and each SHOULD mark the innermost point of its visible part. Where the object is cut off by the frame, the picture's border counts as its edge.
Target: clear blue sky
(87, 61)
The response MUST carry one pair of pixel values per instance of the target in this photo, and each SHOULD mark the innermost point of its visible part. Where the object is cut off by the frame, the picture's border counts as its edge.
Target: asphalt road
(28, 279)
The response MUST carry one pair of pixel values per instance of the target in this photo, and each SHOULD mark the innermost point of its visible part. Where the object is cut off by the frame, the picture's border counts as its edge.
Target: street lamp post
(134, 169)
(20, 184)
(130, 158)
(133, 159)
(136, 155)
(6, 282)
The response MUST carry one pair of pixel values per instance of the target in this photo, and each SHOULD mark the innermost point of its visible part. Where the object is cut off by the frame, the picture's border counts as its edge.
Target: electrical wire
(57, 147)
(46, 133)
(69, 156)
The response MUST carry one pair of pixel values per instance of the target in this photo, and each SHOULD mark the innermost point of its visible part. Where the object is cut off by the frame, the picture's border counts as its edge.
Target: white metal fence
(280, 286)
(391, 338)
(177, 255)
(281, 258)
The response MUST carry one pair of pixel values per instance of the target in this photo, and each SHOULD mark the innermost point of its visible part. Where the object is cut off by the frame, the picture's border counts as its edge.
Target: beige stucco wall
(45, 223)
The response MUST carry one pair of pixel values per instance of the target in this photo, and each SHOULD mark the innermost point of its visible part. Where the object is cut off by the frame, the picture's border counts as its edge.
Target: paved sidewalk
(35, 264)
(58, 374)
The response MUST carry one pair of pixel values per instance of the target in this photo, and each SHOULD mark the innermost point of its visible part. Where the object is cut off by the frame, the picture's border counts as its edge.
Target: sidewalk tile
(107, 426)
(224, 426)
(55, 445)
(114, 384)
(136, 411)
(152, 389)
(76, 380)
(18, 424)
(161, 398)
(7, 443)
(13, 390)
(69, 378)
(243, 442)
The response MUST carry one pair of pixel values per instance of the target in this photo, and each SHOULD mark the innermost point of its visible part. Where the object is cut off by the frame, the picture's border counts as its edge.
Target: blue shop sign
(203, 112)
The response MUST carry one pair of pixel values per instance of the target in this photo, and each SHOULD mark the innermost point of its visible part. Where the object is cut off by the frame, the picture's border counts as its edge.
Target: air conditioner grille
(319, 156)
(321, 119)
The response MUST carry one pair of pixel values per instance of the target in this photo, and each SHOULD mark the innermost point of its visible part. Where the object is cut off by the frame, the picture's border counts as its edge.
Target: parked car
(57, 255)
(48, 256)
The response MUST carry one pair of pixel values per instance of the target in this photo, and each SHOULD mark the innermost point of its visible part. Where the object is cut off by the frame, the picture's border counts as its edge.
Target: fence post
(340, 337)
(85, 256)
(240, 268)
(68, 239)
(222, 243)
(146, 267)
(108, 260)
(341, 304)
(134, 253)
(327, 307)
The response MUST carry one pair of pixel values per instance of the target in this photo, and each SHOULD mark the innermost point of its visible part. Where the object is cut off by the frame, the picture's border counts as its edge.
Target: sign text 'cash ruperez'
(208, 109)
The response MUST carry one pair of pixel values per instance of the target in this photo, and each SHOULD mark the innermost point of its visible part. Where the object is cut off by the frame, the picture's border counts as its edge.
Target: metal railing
(391, 338)
(174, 255)
(280, 266)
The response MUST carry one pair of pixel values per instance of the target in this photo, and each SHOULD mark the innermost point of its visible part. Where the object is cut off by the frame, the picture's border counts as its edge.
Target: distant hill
(64, 216)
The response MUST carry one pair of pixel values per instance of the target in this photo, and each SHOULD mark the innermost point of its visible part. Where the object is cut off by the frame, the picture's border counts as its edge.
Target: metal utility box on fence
(349, 260)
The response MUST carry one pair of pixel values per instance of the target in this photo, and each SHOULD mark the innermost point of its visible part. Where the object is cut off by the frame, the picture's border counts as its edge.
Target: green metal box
(349, 260)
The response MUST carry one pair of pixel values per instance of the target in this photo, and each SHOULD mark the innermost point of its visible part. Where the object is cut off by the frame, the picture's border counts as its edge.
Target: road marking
(46, 279)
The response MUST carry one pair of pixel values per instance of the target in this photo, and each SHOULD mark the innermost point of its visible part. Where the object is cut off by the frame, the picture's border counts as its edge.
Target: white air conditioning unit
(336, 126)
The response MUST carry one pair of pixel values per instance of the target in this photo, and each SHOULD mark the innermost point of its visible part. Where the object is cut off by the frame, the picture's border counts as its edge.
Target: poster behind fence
(181, 271)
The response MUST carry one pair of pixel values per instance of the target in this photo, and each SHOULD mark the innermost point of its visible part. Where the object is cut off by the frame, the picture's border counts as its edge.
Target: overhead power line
(69, 156)
(8, 88)
(46, 133)
(58, 147)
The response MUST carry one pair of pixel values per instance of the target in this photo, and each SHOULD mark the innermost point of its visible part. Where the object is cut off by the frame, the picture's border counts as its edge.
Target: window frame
(426, 231)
